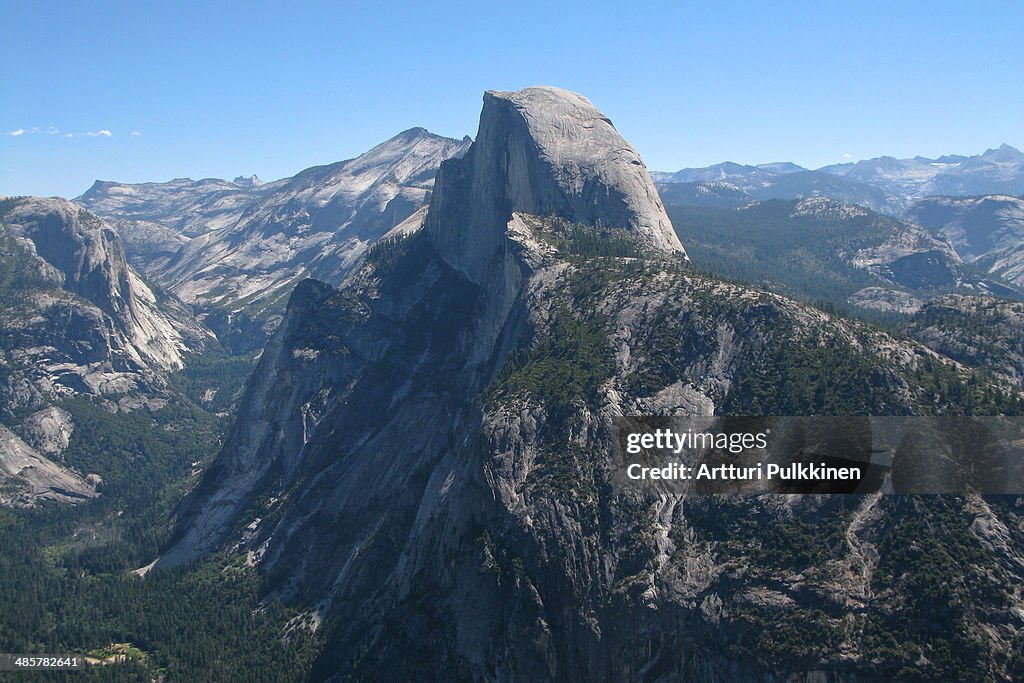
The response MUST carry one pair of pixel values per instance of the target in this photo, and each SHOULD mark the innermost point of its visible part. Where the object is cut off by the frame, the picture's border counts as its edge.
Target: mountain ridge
(427, 449)
(903, 181)
(240, 250)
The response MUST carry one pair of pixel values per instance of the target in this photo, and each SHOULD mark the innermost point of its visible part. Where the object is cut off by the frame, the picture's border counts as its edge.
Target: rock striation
(428, 448)
(548, 152)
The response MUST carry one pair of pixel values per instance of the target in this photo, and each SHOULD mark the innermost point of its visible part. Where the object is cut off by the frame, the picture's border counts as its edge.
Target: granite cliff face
(28, 477)
(546, 152)
(422, 459)
(93, 323)
(76, 320)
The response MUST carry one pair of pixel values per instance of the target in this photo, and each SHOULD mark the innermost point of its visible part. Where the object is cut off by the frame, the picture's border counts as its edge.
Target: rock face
(49, 430)
(427, 449)
(27, 478)
(986, 231)
(885, 300)
(236, 249)
(76, 319)
(542, 151)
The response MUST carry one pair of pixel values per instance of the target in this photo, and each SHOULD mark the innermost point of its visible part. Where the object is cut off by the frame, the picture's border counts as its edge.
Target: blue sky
(224, 89)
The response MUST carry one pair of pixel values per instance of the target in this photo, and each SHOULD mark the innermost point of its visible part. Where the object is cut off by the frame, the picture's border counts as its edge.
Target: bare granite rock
(48, 430)
(541, 151)
(26, 477)
(82, 320)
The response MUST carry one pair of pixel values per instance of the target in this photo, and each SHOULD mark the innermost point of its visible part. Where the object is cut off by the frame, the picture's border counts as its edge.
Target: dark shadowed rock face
(542, 151)
(422, 459)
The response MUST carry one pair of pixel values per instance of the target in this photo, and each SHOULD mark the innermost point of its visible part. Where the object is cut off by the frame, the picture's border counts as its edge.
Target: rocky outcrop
(77, 318)
(885, 300)
(546, 152)
(48, 430)
(428, 448)
(28, 478)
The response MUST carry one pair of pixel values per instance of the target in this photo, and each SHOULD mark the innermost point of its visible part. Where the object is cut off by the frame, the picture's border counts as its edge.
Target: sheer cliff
(78, 318)
(75, 320)
(542, 151)
(422, 458)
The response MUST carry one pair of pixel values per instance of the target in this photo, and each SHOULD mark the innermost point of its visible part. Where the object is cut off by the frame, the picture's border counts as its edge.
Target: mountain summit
(541, 151)
(422, 466)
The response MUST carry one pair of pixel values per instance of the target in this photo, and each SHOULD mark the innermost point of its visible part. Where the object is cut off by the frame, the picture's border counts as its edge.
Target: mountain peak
(542, 151)
(248, 181)
(1004, 153)
(413, 133)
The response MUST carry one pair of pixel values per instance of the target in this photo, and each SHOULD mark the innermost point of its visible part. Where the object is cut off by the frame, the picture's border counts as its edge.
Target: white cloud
(96, 133)
(136, 134)
(847, 156)
(18, 133)
(52, 130)
(69, 135)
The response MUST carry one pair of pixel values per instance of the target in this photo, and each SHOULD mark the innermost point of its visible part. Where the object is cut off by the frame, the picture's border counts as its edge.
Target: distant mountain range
(986, 231)
(884, 184)
(237, 248)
